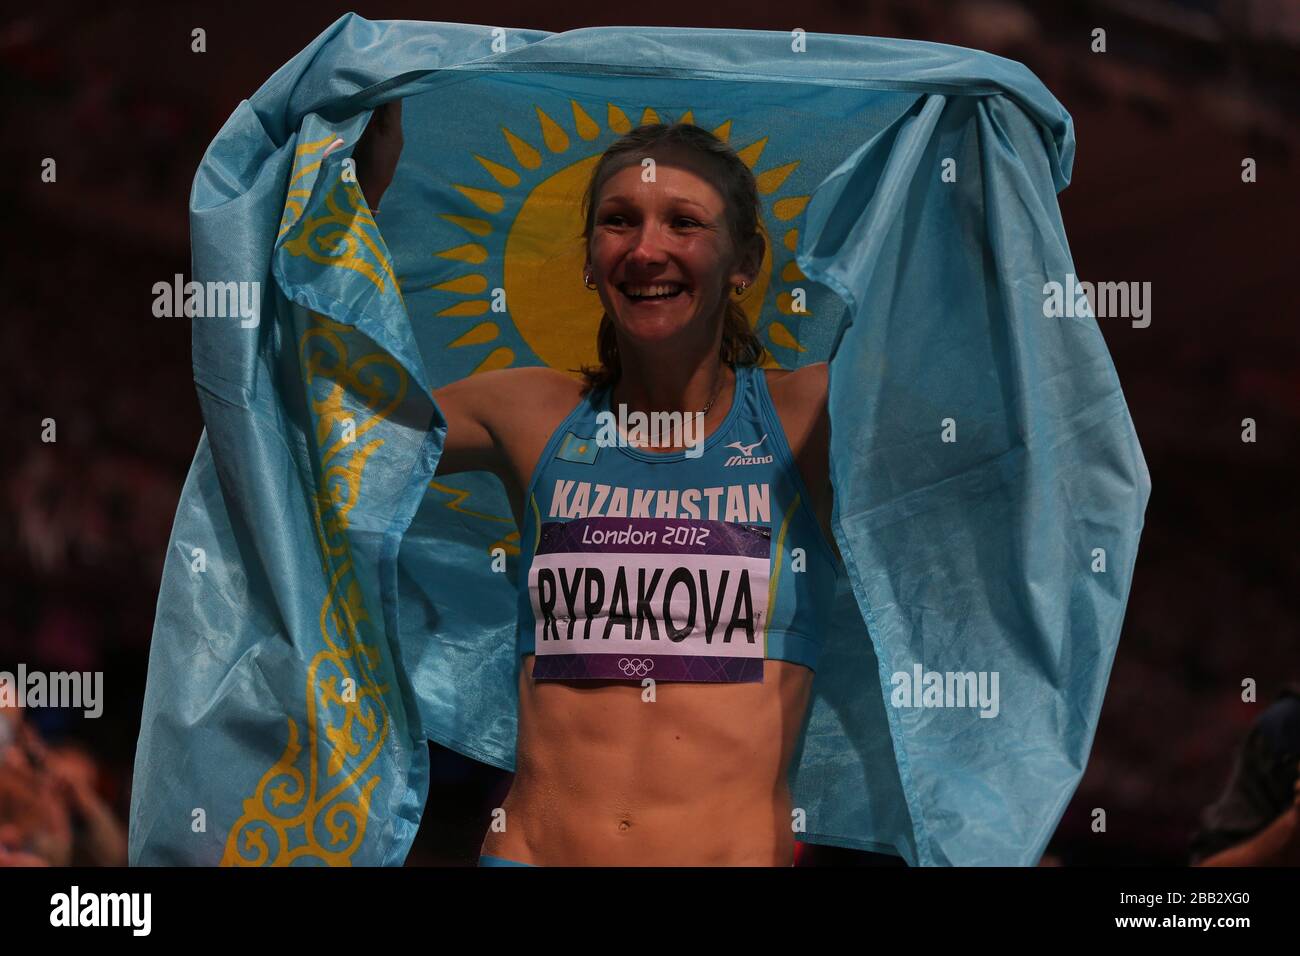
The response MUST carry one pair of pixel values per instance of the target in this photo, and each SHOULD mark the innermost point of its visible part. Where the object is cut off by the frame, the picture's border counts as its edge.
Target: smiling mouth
(664, 292)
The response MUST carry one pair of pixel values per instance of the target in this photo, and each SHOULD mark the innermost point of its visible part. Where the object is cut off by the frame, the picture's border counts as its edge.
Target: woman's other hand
(377, 152)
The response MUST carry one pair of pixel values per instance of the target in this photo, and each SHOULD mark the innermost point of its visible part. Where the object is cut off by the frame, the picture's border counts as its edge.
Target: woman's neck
(682, 388)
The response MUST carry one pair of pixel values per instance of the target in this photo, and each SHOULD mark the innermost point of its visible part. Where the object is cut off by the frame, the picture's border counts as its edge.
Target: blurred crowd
(52, 812)
(85, 519)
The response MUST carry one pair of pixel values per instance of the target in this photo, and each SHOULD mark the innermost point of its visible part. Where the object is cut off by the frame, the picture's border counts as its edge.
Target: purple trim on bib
(654, 536)
(636, 667)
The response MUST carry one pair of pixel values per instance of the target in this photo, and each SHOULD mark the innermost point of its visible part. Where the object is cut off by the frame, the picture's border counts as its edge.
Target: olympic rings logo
(636, 666)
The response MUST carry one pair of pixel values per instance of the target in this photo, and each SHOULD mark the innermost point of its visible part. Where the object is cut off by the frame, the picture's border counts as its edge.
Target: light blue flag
(324, 608)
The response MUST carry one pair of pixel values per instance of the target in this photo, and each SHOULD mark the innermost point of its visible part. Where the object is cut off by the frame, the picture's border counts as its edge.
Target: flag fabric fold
(328, 605)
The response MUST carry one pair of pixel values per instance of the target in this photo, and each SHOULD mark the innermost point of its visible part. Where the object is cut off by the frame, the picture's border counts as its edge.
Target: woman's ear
(751, 261)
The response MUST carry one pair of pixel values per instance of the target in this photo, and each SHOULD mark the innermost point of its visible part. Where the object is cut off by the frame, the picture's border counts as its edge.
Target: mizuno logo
(746, 456)
(747, 451)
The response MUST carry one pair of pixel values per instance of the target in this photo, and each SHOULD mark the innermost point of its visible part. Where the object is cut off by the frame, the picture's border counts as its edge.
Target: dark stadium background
(1163, 119)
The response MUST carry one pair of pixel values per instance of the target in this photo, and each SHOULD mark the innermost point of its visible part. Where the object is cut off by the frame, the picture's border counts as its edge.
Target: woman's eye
(615, 219)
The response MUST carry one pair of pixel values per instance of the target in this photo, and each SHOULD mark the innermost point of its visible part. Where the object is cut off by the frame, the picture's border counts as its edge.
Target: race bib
(670, 599)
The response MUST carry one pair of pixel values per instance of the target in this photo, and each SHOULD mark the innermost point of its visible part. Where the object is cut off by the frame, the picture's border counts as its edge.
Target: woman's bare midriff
(604, 778)
(695, 778)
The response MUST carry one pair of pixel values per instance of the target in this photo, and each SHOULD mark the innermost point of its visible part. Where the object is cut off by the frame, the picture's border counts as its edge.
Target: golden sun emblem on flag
(539, 262)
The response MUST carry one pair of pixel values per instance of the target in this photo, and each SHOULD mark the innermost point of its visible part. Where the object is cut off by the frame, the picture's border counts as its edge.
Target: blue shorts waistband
(485, 860)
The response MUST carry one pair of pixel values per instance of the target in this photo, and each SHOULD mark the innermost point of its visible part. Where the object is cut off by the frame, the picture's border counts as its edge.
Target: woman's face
(672, 231)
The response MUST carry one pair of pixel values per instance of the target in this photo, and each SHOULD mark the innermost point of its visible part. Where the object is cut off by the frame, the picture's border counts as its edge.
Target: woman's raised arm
(466, 403)
(469, 445)
(378, 151)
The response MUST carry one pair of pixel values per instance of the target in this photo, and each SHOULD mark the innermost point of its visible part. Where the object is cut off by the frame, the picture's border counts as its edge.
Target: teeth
(649, 290)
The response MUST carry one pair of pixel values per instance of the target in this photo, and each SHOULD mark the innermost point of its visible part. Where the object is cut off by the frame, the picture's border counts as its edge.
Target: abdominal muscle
(695, 778)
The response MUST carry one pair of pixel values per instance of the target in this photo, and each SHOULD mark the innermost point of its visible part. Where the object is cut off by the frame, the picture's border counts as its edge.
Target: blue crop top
(638, 563)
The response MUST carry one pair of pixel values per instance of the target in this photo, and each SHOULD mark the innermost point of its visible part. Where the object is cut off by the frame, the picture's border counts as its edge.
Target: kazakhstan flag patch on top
(576, 449)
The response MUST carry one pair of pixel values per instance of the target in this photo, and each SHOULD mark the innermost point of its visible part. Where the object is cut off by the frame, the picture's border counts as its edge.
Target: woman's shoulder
(525, 398)
(801, 386)
(527, 382)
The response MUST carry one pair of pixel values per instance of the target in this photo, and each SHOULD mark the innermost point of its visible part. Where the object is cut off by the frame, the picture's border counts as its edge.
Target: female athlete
(654, 732)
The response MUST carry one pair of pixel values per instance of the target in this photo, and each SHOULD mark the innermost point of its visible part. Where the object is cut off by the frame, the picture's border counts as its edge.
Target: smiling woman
(682, 189)
(655, 590)
(717, 688)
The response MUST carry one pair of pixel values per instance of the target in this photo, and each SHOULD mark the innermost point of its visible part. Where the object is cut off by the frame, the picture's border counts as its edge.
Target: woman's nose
(648, 245)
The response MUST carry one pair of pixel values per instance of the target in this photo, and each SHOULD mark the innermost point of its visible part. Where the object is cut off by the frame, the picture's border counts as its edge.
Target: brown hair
(740, 345)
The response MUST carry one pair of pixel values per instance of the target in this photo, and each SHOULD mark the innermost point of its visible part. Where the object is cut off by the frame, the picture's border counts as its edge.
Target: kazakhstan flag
(324, 609)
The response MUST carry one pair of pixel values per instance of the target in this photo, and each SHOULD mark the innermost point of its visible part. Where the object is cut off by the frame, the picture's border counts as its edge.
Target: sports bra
(682, 565)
